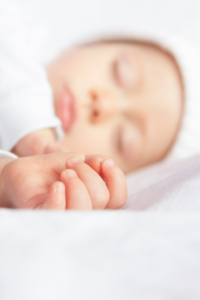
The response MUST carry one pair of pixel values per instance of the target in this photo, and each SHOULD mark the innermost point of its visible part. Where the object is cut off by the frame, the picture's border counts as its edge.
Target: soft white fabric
(26, 101)
(71, 22)
(99, 255)
(166, 187)
(6, 154)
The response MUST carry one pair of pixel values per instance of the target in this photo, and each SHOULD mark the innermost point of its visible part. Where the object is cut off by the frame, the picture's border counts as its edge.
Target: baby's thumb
(56, 198)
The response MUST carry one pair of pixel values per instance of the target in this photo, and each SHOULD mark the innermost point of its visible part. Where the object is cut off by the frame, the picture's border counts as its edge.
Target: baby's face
(118, 99)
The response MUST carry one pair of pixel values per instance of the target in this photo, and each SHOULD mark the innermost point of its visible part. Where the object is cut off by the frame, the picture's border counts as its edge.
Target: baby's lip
(67, 110)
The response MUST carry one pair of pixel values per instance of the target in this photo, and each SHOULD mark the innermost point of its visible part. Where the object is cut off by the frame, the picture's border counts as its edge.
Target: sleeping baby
(134, 100)
(121, 99)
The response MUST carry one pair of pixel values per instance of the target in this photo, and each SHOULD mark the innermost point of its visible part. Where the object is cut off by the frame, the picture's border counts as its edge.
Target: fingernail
(59, 188)
(109, 162)
(101, 159)
(74, 160)
(91, 157)
(69, 173)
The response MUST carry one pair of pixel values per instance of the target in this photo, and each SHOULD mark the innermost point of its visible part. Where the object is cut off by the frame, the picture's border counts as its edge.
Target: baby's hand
(98, 179)
(60, 181)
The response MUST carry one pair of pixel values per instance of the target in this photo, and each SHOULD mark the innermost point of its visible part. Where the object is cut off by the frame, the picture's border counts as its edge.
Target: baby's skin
(62, 181)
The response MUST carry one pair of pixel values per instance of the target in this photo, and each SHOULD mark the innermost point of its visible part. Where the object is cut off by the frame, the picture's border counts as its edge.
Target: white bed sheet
(100, 255)
(165, 186)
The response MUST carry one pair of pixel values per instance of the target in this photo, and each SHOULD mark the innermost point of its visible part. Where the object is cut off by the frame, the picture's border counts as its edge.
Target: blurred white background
(70, 21)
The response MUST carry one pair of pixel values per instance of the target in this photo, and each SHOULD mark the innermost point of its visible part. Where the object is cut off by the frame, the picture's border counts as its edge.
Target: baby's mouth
(67, 111)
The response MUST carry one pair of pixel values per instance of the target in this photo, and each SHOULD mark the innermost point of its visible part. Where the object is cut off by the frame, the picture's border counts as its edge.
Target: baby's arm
(38, 142)
(35, 143)
(57, 181)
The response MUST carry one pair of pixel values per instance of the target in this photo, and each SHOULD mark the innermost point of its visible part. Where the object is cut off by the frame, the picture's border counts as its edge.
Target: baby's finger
(95, 185)
(116, 184)
(56, 198)
(58, 162)
(94, 161)
(53, 148)
(77, 196)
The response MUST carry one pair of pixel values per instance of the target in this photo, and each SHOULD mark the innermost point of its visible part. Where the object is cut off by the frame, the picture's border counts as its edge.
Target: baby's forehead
(122, 42)
(150, 54)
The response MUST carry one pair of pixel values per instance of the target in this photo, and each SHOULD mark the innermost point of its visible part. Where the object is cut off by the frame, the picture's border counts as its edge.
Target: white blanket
(109, 254)
(99, 255)
(173, 186)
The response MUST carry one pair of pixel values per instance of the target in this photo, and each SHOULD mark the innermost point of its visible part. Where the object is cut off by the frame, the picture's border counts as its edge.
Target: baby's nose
(102, 107)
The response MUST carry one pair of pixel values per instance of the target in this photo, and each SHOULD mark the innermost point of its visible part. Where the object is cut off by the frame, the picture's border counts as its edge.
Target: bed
(147, 250)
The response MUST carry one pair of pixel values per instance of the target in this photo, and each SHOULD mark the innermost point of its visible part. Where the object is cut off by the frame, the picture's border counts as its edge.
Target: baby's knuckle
(12, 168)
(79, 155)
(102, 197)
(10, 173)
